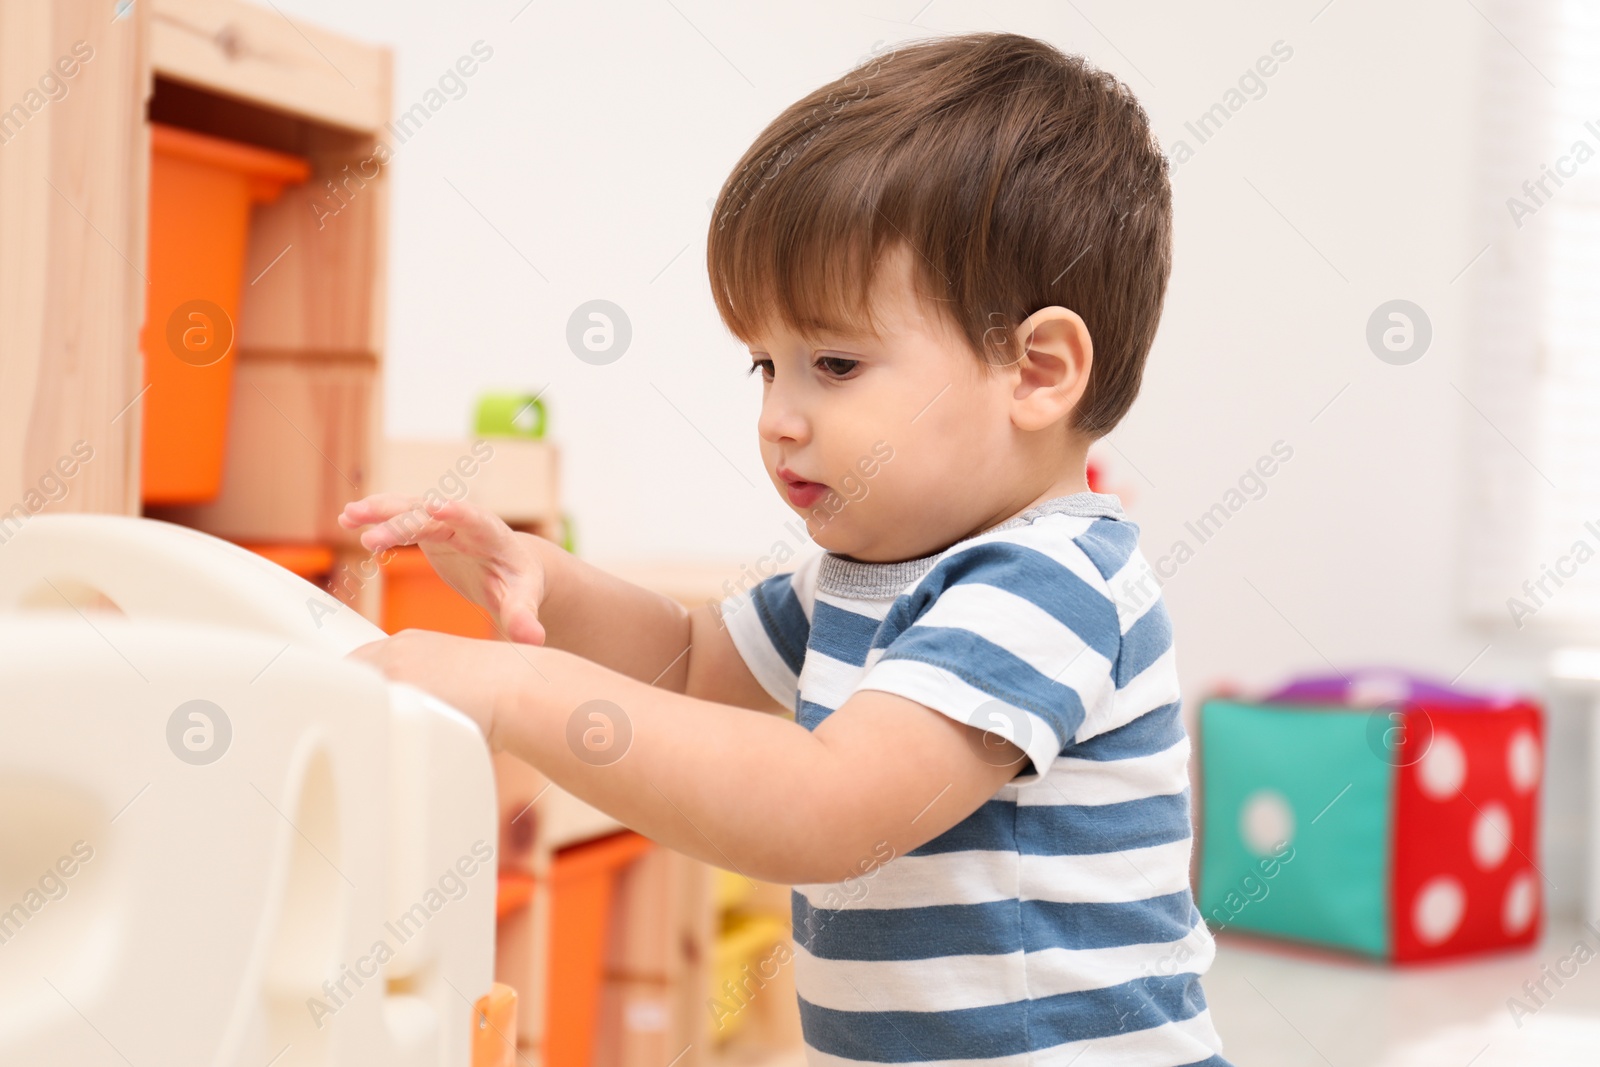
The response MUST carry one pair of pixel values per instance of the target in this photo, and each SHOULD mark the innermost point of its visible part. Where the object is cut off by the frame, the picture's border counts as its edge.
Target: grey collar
(843, 576)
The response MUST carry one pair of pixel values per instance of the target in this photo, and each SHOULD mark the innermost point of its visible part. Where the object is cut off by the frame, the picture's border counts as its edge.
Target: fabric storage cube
(1378, 813)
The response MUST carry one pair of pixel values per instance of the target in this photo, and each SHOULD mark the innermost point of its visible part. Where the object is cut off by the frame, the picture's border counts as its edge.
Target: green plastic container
(510, 415)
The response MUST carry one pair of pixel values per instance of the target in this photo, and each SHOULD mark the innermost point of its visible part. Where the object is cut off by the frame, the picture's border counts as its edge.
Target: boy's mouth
(802, 494)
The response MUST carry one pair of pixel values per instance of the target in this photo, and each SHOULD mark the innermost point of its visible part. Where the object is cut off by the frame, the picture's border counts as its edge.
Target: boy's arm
(645, 635)
(756, 794)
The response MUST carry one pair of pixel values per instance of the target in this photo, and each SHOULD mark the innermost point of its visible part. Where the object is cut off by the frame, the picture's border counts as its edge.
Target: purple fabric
(1373, 686)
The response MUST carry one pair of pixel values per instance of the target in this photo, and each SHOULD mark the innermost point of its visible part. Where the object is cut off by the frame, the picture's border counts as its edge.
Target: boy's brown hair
(1021, 176)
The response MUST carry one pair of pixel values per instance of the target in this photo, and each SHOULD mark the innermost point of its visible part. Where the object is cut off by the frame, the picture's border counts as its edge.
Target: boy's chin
(828, 533)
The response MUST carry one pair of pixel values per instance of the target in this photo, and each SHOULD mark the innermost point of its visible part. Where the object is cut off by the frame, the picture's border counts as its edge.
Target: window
(1533, 374)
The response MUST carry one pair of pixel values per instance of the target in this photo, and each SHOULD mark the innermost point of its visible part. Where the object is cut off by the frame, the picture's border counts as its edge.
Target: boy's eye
(835, 366)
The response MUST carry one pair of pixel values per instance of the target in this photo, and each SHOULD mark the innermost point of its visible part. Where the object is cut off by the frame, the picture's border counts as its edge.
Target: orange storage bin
(201, 192)
(514, 890)
(582, 880)
(416, 598)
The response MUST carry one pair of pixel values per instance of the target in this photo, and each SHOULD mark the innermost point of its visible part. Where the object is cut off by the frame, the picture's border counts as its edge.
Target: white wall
(598, 132)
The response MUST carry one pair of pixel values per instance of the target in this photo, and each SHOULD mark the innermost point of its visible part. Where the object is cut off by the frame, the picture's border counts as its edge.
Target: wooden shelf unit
(306, 423)
(305, 420)
(74, 192)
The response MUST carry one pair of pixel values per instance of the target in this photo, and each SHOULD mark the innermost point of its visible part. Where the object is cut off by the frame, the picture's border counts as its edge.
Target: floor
(1279, 1010)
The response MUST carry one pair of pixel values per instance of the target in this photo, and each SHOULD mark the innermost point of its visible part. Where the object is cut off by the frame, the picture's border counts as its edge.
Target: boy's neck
(1066, 477)
(1065, 486)
(1072, 479)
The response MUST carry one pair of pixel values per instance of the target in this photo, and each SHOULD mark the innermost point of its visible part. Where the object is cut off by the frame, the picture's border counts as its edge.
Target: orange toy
(494, 1028)
(201, 192)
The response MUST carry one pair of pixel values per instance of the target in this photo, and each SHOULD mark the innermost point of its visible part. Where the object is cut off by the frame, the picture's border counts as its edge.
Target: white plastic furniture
(221, 842)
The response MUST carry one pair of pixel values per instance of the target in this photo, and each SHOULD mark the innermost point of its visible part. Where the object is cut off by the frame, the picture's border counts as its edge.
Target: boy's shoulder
(1081, 543)
(1083, 573)
(1074, 550)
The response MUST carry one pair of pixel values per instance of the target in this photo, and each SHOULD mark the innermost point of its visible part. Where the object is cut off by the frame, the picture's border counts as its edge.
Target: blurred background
(1385, 289)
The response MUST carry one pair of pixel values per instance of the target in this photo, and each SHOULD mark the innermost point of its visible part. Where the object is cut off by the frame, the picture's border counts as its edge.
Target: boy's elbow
(833, 830)
(793, 867)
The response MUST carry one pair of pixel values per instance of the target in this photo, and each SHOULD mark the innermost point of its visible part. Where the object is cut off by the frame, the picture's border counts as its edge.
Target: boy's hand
(473, 676)
(474, 551)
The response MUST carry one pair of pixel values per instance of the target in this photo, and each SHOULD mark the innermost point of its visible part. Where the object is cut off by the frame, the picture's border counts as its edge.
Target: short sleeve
(1017, 638)
(770, 624)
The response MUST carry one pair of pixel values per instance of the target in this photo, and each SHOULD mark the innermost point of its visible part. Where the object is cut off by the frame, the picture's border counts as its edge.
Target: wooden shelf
(306, 430)
(305, 408)
(518, 479)
(72, 225)
(260, 55)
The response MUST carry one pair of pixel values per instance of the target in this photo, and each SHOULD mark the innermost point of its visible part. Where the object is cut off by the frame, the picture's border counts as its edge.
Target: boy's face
(906, 441)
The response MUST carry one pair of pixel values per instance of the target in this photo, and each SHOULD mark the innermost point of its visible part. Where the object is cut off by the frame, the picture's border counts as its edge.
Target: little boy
(948, 266)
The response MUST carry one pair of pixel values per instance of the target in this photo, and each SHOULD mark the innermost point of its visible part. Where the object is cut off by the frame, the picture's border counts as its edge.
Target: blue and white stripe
(1055, 924)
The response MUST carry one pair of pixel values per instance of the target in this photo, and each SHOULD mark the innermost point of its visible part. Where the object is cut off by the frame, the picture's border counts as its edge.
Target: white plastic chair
(220, 841)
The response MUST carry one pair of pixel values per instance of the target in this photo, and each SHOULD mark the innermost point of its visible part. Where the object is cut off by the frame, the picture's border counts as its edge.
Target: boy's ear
(1053, 368)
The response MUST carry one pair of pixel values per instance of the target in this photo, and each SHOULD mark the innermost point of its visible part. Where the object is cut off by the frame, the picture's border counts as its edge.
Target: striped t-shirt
(1055, 924)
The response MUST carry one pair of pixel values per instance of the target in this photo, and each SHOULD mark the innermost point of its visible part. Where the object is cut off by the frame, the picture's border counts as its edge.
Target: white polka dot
(1522, 761)
(1266, 822)
(1438, 909)
(1491, 836)
(1522, 900)
(1443, 767)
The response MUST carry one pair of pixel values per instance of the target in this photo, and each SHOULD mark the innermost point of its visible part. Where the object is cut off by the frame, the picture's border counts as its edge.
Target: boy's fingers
(407, 528)
(458, 513)
(373, 652)
(376, 508)
(477, 530)
(522, 625)
(520, 608)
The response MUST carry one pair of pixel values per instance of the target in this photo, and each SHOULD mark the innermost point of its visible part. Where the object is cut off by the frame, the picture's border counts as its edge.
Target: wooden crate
(646, 1023)
(663, 925)
(653, 1007)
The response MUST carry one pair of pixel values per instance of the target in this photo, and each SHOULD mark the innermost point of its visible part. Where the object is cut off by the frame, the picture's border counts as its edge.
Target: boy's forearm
(736, 790)
(614, 623)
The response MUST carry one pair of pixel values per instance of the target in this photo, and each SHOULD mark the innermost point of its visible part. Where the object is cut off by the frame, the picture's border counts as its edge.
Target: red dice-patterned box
(1397, 817)
(1466, 830)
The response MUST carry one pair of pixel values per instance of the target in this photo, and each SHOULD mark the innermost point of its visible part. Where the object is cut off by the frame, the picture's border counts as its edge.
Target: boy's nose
(782, 421)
